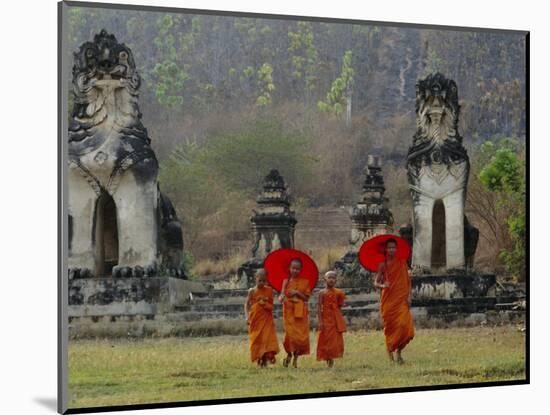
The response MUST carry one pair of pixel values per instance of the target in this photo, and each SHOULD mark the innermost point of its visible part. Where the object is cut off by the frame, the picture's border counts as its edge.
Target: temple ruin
(272, 224)
(121, 225)
(369, 217)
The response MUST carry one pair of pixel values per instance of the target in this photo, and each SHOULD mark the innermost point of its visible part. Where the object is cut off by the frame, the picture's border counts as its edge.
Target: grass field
(121, 372)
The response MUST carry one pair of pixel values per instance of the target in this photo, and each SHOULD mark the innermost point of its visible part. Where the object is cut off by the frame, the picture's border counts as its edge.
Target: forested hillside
(226, 99)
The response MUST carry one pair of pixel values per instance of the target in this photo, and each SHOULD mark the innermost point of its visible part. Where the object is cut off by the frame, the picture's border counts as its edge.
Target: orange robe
(396, 315)
(330, 340)
(261, 328)
(296, 317)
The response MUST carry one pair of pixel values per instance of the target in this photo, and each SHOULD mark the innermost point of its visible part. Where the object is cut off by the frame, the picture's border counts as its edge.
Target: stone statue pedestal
(453, 286)
(111, 297)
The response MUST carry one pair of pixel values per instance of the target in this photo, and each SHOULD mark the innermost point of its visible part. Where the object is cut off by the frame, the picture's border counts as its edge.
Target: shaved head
(330, 278)
(331, 274)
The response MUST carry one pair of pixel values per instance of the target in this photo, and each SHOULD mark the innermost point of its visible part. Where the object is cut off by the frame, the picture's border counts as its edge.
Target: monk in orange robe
(261, 326)
(331, 323)
(294, 296)
(394, 280)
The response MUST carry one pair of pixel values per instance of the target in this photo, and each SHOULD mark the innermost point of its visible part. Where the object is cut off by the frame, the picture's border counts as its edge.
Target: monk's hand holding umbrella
(379, 281)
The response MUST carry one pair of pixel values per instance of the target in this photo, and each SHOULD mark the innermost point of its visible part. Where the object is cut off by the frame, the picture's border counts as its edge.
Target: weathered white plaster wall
(449, 186)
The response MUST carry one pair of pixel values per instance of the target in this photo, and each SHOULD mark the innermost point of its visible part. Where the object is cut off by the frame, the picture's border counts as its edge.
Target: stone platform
(98, 297)
(173, 307)
(451, 286)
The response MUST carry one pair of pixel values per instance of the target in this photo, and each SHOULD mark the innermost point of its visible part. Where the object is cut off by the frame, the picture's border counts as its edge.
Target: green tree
(304, 58)
(504, 174)
(339, 95)
(171, 80)
(265, 85)
(170, 73)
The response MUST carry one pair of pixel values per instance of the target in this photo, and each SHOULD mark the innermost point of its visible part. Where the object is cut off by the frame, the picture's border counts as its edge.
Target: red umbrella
(372, 253)
(277, 265)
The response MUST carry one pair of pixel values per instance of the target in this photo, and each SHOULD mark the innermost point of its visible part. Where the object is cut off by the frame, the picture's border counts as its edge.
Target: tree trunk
(348, 110)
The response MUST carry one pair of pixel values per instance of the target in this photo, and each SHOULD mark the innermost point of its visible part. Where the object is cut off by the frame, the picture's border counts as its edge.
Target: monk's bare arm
(282, 295)
(379, 278)
(341, 300)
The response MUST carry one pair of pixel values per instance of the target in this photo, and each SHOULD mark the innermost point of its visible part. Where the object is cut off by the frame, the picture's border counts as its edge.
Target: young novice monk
(394, 280)
(331, 323)
(294, 296)
(261, 327)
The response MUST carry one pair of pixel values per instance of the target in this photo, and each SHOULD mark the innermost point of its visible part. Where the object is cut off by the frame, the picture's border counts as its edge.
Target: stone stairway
(361, 306)
(196, 310)
(229, 304)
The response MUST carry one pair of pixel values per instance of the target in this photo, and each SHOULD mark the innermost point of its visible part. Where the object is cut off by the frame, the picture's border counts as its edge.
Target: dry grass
(323, 257)
(120, 372)
(222, 266)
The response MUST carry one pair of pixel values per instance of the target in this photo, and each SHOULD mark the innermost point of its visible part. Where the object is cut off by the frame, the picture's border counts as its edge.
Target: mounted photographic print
(261, 207)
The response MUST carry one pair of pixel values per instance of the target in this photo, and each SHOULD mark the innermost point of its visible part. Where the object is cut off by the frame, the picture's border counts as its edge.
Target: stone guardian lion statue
(111, 163)
(438, 168)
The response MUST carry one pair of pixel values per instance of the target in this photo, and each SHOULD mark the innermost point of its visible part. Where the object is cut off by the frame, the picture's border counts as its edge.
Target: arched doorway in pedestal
(439, 246)
(106, 235)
